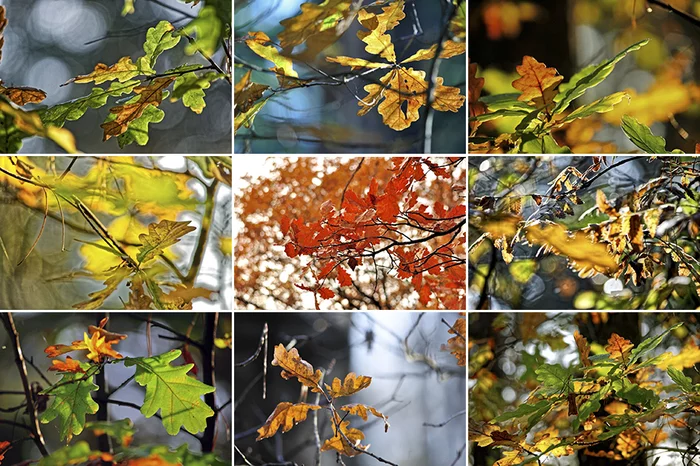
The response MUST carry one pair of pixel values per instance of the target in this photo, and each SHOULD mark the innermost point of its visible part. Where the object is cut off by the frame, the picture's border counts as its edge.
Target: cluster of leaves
(136, 83)
(400, 93)
(346, 440)
(139, 259)
(608, 405)
(365, 226)
(457, 344)
(644, 237)
(169, 389)
(541, 111)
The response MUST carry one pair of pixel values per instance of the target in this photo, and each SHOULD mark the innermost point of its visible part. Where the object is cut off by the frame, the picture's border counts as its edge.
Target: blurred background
(39, 330)
(329, 113)
(48, 42)
(126, 195)
(505, 349)
(412, 385)
(571, 34)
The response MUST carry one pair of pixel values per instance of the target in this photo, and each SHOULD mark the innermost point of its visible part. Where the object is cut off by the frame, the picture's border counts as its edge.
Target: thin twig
(342, 197)
(426, 424)
(35, 427)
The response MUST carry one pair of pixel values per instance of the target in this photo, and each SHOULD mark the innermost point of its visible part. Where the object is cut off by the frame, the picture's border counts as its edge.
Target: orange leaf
(457, 345)
(70, 365)
(476, 108)
(284, 224)
(344, 277)
(152, 460)
(618, 347)
(294, 366)
(338, 442)
(23, 95)
(4, 445)
(325, 293)
(286, 415)
(351, 384)
(584, 349)
(361, 410)
(538, 82)
(290, 250)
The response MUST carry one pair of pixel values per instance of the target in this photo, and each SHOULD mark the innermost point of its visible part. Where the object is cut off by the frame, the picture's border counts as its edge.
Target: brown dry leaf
(286, 415)
(538, 82)
(584, 349)
(109, 336)
(457, 344)
(449, 49)
(603, 206)
(352, 384)
(246, 93)
(377, 40)
(361, 410)
(23, 95)
(338, 442)
(294, 366)
(125, 114)
(476, 108)
(635, 234)
(138, 299)
(618, 347)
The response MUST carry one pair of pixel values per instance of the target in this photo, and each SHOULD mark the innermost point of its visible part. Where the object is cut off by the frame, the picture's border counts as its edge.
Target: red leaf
(425, 295)
(344, 277)
(4, 446)
(326, 269)
(325, 293)
(284, 224)
(291, 250)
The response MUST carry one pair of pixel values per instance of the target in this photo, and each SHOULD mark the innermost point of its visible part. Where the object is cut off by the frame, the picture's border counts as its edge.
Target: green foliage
(208, 29)
(190, 88)
(122, 430)
(77, 453)
(684, 382)
(554, 378)
(160, 236)
(170, 390)
(72, 401)
(642, 136)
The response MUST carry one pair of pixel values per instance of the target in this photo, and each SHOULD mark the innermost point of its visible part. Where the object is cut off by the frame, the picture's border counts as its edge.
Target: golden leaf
(161, 236)
(122, 71)
(449, 49)
(537, 81)
(457, 345)
(313, 20)
(584, 349)
(126, 114)
(294, 366)
(286, 415)
(378, 42)
(361, 410)
(352, 384)
(256, 41)
(70, 365)
(338, 442)
(618, 347)
(688, 357)
(584, 256)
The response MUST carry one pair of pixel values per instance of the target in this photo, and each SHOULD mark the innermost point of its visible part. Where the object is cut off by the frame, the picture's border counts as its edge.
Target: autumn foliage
(616, 402)
(370, 233)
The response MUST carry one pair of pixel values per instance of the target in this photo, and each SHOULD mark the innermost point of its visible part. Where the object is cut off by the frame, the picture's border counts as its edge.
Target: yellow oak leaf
(361, 410)
(351, 384)
(286, 415)
(122, 71)
(338, 442)
(449, 49)
(256, 42)
(457, 345)
(537, 81)
(294, 366)
(126, 114)
(246, 93)
(312, 21)
(98, 344)
(357, 63)
(510, 457)
(377, 40)
(30, 123)
(618, 347)
(687, 358)
(398, 86)
(584, 256)
(98, 347)
(23, 95)
(161, 236)
(447, 98)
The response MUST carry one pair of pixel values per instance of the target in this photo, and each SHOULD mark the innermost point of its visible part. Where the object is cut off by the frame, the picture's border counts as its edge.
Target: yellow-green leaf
(160, 236)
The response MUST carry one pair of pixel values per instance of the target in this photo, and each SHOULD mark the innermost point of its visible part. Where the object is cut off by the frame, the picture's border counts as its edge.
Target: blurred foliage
(534, 221)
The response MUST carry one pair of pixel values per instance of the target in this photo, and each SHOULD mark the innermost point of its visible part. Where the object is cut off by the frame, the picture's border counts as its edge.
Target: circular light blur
(67, 24)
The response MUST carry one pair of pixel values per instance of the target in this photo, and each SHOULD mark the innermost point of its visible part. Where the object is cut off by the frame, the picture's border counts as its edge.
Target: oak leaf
(344, 278)
(286, 415)
(537, 81)
(122, 71)
(584, 349)
(313, 20)
(338, 442)
(256, 41)
(115, 276)
(688, 357)
(4, 445)
(377, 40)
(361, 410)
(449, 49)
(618, 347)
(23, 95)
(161, 236)
(294, 366)
(351, 384)
(124, 115)
(246, 93)
(69, 365)
(457, 344)
(326, 293)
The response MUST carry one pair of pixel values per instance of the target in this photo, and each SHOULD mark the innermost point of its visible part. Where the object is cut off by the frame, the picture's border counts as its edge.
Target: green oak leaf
(190, 88)
(122, 430)
(138, 129)
(160, 236)
(642, 137)
(524, 409)
(208, 28)
(684, 382)
(648, 345)
(553, 377)
(170, 390)
(75, 109)
(71, 402)
(158, 39)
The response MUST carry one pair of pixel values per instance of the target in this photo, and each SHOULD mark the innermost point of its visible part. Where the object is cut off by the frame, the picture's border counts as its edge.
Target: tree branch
(211, 320)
